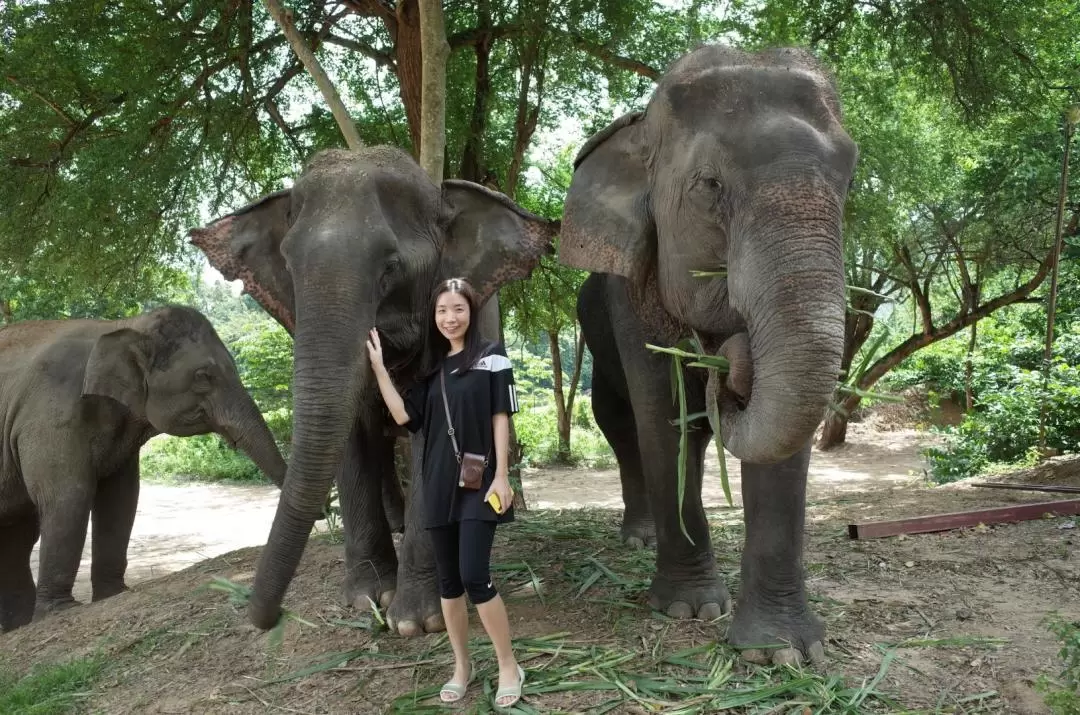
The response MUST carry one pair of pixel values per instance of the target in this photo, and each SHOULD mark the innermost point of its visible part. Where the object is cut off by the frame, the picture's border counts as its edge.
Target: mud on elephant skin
(78, 398)
(360, 240)
(739, 164)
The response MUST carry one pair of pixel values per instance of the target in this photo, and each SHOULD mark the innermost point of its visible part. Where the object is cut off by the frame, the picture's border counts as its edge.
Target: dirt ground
(960, 612)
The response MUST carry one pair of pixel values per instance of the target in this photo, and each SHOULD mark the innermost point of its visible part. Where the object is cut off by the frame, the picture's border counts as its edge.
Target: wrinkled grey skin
(361, 240)
(739, 161)
(78, 398)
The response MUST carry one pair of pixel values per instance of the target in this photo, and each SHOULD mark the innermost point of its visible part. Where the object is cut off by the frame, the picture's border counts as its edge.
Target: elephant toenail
(787, 656)
(410, 629)
(755, 656)
(711, 611)
(680, 609)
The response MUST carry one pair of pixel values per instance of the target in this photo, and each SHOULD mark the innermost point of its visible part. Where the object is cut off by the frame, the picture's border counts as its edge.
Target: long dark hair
(436, 346)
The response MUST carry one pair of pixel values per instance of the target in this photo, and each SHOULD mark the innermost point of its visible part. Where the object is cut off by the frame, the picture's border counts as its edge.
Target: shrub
(1063, 696)
(537, 429)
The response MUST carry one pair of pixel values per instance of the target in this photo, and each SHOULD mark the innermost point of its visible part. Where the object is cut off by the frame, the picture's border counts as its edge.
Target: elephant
(78, 399)
(737, 167)
(360, 240)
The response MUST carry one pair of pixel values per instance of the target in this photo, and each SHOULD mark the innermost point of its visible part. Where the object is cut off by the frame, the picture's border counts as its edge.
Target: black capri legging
(463, 559)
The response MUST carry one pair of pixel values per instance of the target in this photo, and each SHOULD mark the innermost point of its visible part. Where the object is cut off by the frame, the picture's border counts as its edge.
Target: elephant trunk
(326, 373)
(246, 429)
(788, 283)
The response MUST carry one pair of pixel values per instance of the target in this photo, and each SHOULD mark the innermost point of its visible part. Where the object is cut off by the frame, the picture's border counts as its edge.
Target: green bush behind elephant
(78, 399)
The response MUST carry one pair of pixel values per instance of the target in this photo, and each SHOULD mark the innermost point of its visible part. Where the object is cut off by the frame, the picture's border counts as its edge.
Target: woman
(480, 397)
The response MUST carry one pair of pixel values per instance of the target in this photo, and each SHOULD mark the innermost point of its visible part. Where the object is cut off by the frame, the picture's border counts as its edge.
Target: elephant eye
(203, 380)
(386, 281)
(711, 183)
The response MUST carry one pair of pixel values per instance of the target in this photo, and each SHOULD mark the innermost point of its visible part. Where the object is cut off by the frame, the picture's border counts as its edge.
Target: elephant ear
(606, 225)
(490, 240)
(117, 368)
(246, 246)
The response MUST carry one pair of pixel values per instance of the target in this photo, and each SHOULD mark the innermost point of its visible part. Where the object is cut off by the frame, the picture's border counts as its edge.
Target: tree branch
(345, 123)
(374, 8)
(478, 35)
(603, 52)
(360, 48)
(962, 320)
(48, 102)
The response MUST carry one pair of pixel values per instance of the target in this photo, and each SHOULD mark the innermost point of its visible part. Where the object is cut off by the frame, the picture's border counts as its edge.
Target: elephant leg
(615, 418)
(17, 539)
(686, 584)
(772, 608)
(63, 534)
(370, 559)
(392, 498)
(115, 504)
(416, 608)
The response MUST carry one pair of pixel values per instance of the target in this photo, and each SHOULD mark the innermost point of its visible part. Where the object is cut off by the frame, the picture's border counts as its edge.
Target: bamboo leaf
(683, 447)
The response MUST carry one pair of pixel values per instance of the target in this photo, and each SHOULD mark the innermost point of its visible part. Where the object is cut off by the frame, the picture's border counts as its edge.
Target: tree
(546, 303)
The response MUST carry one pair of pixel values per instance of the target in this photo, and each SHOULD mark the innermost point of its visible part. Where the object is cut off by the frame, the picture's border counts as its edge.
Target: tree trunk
(408, 47)
(563, 417)
(527, 116)
(857, 329)
(433, 108)
(473, 155)
(575, 379)
(969, 369)
(345, 123)
(1051, 308)
(6, 312)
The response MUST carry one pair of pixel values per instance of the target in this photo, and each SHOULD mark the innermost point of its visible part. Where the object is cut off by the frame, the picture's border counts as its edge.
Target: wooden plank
(960, 519)
(1028, 487)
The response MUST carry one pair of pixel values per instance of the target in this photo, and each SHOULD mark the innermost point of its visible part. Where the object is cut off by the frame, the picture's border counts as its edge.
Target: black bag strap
(446, 406)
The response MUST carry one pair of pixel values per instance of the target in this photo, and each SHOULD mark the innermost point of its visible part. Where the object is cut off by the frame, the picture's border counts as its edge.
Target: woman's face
(452, 316)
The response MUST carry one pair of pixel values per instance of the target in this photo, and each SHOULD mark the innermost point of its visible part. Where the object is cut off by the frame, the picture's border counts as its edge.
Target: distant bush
(1007, 383)
(537, 430)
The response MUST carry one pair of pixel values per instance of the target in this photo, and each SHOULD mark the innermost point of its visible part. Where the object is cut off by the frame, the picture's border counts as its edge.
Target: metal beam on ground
(961, 519)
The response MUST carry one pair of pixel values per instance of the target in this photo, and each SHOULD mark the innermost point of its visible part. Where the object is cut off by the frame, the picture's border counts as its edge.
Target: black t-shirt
(475, 396)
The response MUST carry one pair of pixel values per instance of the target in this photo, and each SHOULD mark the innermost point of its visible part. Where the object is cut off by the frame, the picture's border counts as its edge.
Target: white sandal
(513, 691)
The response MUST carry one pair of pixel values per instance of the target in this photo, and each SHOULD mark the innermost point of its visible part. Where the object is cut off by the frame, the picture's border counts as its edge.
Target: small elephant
(360, 240)
(739, 166)
(78, 399)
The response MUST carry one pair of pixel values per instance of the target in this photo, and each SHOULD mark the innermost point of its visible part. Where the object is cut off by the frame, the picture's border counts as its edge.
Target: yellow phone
(495, 502)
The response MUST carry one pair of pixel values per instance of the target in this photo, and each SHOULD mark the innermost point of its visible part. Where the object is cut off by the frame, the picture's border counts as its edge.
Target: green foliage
(537, 430)
(52, 689)
(1008, 385)
(200, 458)
(1063, 694)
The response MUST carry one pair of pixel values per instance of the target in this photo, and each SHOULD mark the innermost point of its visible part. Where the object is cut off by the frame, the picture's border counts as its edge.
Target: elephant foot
(101, 592)
(638, 533)
(44, 608)
(416, 609)
(370, 587)
(706, 598)
(778, 634)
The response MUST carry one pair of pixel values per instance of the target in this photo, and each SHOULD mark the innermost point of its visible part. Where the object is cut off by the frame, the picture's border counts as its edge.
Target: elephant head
(740, 164)
(171, 370)
(359, 240)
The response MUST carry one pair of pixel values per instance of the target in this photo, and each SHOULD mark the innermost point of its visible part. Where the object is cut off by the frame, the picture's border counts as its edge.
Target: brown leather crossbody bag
(471, 474)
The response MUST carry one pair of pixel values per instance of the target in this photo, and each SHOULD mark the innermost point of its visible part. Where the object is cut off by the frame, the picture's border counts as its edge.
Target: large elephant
(78, 398)
(739, 163)
(360, 240)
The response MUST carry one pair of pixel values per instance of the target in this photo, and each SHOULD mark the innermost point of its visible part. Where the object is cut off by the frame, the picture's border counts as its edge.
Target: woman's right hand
(374, 348)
